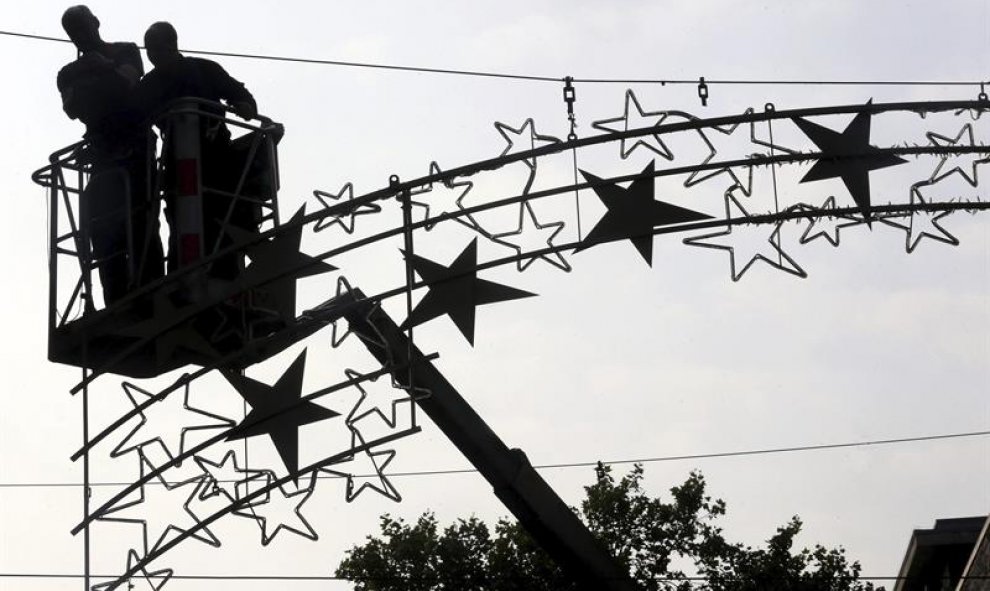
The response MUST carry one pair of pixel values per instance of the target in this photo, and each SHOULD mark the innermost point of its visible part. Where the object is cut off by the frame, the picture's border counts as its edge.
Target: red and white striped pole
(188, 185)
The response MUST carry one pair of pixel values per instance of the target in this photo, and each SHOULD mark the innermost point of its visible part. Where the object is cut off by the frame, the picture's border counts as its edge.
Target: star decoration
(156, 579)
(456, 291)
(549, 230)
(367, 473)
(384, 406)
(278, 411)
(271, 258)
(445, 197)
(922, 223)
(271, 515)
(638, 119)
(225, 477)
(827, 226)
(168, 333)
(166, 505)
(524, 141)
(769, 250)
(745, 184)
(164, 407)
(346, 219)
(847, 155)
(633, 213)
(942, 171)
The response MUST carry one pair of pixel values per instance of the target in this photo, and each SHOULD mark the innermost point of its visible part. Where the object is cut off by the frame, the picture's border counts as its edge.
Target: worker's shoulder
(201, 63)
(122, 49)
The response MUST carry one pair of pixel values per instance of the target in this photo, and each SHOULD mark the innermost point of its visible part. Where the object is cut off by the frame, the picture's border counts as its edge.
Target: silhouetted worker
(97, 90)
(175, 76)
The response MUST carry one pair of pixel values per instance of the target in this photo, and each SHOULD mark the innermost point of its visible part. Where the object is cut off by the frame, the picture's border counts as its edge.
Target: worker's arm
(234, 93)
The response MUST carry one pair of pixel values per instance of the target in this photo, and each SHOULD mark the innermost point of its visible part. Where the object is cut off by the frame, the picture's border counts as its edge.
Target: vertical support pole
(405, 197)
(86, 491)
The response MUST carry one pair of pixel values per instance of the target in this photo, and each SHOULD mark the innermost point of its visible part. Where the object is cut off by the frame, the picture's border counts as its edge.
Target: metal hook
(983, 92)
(703, 91)
(570, 96)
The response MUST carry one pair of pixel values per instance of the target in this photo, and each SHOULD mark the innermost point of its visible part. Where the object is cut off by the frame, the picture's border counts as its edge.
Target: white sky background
(612, 361)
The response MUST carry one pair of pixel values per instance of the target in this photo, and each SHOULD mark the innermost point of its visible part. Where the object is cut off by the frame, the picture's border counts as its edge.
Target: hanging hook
(703, 91)
(570, 96)
(983, 92)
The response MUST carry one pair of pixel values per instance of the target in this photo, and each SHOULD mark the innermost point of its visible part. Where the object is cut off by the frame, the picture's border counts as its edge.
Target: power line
(554, 79)
(588, 464)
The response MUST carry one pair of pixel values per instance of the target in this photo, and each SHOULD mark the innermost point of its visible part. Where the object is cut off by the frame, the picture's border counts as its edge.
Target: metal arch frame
(801, 211)
(398, 188)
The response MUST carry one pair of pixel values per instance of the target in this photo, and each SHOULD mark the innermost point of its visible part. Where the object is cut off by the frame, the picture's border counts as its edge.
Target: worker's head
(82, 26)
(162, 43)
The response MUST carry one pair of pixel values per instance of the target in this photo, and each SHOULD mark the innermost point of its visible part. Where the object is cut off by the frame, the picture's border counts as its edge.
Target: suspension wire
(537, 78)
(588, 464)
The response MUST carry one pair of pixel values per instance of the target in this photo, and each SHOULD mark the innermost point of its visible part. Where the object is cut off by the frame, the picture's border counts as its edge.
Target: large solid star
(633, 213)
(456, 291)
(847, 155)
(277, 411)
(270, 258)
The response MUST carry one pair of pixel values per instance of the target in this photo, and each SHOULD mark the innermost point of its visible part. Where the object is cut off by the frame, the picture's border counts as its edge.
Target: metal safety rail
(73, 301)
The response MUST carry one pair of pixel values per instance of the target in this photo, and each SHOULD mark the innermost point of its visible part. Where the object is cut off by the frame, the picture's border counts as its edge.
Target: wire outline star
(556, 258)
(660, 149)
(306, 492)
(452, 183)
(351, 214)
(773, 240)
(505, 131)
(120, 449)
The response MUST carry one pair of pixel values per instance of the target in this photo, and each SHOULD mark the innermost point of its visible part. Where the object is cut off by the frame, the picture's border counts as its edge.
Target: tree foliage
(655, 540)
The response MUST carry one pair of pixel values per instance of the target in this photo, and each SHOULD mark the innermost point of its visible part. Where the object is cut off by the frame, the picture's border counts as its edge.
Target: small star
(739, 234)
(281, 504)
(345, 219)
(633, 213)
(156, 579)
(745, 184)
(445, 197)
(847, 155)
(550, 230)
(456, 291)
(168, 332)
(825, 225)
(225, 477)
(524, 141)
(384, 405)
(922, 223)
(942, 171)
(639, 119)
(157, 501)
(367, 472)
(278, 411)
(166, 410)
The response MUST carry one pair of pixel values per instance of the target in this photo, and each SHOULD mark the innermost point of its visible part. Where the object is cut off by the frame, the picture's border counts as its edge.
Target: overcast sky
(614, 360)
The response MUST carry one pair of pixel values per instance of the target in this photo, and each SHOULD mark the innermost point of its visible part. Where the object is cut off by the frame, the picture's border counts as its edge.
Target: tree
(653, 539)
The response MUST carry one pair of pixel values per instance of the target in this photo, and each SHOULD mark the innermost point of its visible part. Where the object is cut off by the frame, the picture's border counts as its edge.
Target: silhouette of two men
(104, 89)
